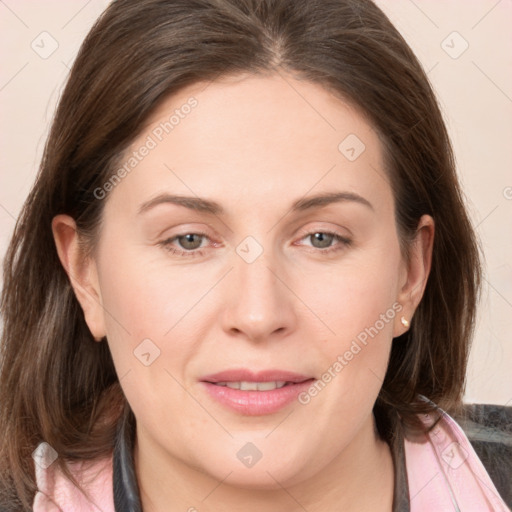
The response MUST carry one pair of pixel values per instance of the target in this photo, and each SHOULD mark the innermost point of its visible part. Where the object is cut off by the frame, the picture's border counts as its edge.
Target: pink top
(443, 471)
(57, 493)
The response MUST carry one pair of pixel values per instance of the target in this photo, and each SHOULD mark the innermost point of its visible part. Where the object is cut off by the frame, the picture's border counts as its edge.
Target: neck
(359, 478)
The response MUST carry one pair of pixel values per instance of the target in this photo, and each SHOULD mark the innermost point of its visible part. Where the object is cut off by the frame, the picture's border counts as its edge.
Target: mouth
(255, 393)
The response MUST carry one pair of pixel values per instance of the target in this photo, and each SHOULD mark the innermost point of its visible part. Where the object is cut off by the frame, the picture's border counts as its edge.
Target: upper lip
(246, 375)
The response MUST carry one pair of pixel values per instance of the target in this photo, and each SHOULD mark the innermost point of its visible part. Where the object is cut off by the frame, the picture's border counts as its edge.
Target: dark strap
(126, 489)
(401, 500)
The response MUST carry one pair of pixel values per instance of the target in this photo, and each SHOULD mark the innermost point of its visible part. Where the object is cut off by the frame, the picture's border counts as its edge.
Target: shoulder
(445, 472)
(56, 492)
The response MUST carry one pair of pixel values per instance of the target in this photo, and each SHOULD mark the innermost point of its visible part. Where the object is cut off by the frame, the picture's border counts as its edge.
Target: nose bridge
(260, 303)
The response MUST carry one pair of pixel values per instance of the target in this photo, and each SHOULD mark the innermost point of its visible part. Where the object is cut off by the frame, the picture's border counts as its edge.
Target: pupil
(323, 238)
(189, 241)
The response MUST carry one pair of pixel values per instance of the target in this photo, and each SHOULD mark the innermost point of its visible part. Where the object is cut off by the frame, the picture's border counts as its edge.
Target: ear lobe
(417, 272)
(82, 273)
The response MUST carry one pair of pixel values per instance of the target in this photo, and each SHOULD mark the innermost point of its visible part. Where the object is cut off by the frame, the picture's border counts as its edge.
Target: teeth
(253, 386)
(269, 386)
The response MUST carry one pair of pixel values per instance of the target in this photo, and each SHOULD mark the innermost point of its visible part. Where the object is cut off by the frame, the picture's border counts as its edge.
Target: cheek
(358, 293)
(151, 310)
(136, 309)
(359, 305)
(142, 313)
(145, 295)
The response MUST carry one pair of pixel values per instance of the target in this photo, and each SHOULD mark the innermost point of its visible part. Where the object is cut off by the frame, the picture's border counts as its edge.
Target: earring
(404, 321)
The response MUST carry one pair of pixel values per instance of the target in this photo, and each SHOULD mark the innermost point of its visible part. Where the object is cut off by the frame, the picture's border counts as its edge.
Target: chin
(268, 473)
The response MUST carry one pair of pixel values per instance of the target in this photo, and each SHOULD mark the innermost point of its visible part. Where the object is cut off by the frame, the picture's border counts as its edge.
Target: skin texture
(254, 145)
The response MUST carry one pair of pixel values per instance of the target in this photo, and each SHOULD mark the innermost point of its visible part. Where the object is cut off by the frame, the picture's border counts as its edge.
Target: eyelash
(166, 244)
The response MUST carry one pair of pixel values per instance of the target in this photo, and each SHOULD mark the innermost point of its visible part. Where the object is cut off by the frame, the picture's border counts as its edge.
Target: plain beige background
(465, 46)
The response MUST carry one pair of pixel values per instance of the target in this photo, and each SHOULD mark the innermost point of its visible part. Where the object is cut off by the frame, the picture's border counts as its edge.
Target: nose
(260, 305)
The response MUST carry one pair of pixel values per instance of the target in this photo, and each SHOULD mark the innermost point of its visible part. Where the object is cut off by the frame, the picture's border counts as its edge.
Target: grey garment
(489, 430)
(126, 489)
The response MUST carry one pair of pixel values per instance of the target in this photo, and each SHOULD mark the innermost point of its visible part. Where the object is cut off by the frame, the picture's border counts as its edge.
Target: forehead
(248, 140)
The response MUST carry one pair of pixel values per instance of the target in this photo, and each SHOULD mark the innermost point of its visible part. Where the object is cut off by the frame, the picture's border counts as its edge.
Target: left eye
(323, 240)
(190, 242)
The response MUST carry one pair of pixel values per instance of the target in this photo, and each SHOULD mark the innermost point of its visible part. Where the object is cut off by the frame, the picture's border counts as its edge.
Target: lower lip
(256, 403)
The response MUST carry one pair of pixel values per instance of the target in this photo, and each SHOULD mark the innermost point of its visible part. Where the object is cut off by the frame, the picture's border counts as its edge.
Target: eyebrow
(209, 206)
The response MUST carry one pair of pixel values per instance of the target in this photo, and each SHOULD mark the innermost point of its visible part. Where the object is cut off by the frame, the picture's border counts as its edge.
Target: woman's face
(284, 259)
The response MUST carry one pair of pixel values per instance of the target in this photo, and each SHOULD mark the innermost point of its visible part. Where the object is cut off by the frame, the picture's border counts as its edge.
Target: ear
(415, 273)
(82, 273)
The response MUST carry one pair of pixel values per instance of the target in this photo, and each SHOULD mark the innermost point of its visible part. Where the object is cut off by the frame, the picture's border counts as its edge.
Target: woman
(258, 279)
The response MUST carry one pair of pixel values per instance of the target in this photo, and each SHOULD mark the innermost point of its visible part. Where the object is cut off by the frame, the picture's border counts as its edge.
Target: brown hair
(57, 384)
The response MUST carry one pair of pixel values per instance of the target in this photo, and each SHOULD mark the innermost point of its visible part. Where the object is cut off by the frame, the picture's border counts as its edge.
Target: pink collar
(444, 472)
